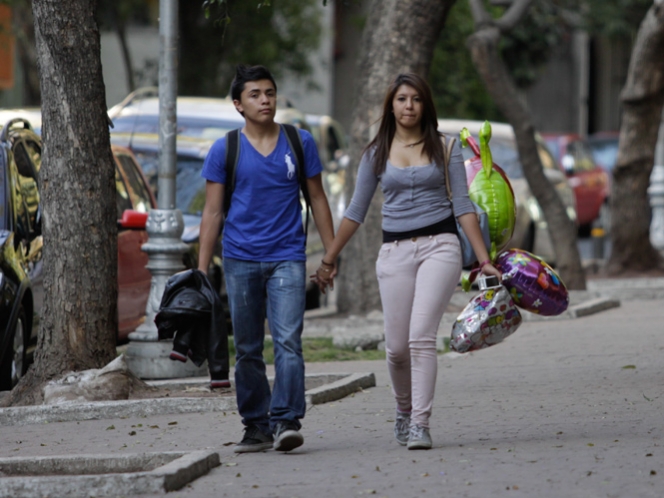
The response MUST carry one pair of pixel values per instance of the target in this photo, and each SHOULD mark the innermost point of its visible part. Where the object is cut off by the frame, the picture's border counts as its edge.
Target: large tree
(484, 47)
(78, 324)
(642, 102)
(399, 36)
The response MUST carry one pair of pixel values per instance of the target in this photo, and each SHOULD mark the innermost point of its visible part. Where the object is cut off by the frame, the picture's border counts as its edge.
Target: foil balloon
(489, 187)
(488, 319)
(532, 283)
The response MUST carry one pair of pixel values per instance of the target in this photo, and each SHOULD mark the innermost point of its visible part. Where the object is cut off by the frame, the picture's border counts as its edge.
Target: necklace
(410, 146)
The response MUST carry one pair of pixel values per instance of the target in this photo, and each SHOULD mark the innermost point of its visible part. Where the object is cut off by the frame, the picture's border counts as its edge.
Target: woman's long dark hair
(382, 142)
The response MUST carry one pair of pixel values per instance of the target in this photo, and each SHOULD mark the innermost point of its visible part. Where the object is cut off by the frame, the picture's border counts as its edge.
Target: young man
(264, 258)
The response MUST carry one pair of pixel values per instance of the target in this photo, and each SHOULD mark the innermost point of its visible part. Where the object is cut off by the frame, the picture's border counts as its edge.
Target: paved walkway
(568, 408)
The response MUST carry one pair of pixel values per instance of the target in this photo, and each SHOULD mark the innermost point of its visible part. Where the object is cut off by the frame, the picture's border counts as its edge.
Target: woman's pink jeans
(417, 278)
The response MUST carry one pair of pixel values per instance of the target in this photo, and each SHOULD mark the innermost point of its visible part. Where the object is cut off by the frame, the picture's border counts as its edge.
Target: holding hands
(324, 275)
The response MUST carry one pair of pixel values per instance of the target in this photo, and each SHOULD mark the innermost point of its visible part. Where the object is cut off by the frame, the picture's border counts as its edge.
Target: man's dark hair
(249, 73)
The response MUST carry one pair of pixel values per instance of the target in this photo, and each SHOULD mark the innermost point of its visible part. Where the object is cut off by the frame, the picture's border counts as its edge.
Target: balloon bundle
(528, 281)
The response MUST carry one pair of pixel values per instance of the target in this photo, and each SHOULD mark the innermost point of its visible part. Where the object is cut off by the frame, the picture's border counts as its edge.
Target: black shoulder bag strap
(232, 155)
(295, 143)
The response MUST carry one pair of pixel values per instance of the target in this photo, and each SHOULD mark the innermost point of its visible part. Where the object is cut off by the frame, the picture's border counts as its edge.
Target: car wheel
(14, 363)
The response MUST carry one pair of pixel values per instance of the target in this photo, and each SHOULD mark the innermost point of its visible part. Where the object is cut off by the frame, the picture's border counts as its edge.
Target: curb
(582, 309)
(103, 475)
(99, 410)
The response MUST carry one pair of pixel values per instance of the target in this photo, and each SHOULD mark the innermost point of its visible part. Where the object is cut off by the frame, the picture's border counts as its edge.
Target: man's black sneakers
(254, 440)
(286, 436)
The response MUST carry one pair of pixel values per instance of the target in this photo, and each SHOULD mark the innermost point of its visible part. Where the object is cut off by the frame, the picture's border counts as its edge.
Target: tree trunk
(79, 319)
(24, 30)
(642, 100)
(483, 45)
(399, 37)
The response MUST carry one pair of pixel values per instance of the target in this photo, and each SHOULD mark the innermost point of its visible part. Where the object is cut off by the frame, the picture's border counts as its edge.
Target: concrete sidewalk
(565, 408)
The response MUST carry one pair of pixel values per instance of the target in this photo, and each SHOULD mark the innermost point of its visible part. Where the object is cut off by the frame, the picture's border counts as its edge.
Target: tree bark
(399, 37)
(642, 100)
(483, 45)
(79, 319)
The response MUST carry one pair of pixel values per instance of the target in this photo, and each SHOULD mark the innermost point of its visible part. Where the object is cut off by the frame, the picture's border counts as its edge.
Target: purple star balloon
(532, 283)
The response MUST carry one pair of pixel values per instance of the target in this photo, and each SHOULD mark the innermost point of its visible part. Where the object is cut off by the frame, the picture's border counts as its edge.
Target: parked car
(530, 232)
(21, 273)
(21, 276)
(589, 181)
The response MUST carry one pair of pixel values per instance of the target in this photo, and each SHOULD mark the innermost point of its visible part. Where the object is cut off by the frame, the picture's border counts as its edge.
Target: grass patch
(315, 349)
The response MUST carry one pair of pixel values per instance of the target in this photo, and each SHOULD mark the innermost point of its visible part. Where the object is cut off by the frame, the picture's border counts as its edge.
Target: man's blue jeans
(277, 288)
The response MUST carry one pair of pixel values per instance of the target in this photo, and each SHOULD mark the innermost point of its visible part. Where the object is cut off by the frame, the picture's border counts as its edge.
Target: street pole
(146, 356)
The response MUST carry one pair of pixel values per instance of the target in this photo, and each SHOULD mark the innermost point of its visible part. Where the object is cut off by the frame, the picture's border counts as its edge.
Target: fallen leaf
(42, 444)
(629, 367)
(493, 449)
(589, 473)
(230, 464)
(426, 474)
(377, 468)
(255, 486)
(647, 398)
(228, 443)
(515, 487)
(172, 423)
(110, 428)
(132, 433)
(238, 475)
(653, 473)
(591, 444)
(354, 477)
(154, 427)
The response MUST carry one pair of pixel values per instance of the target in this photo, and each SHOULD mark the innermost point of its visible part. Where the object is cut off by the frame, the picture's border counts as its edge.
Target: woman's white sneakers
(419, 438)
(402, 428)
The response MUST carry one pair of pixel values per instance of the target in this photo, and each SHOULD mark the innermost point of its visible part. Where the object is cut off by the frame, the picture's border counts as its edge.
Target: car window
(189, 184)
(504, 154)
(605, 152)
(4, 222)
(548, 162)
(553, 146)
(26, 192)
(582, 155)
(123, 202)
(138, 192)
(34, 150)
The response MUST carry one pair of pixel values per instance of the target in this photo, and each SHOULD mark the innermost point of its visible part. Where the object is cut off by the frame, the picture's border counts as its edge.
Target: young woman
(419, 263)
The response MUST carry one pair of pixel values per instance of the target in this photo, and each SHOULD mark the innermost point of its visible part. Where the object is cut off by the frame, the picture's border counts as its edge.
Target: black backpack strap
(295, 143)
(232, 155)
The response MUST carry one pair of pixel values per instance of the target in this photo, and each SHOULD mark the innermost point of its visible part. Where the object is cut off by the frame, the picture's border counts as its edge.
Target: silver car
(530, 231)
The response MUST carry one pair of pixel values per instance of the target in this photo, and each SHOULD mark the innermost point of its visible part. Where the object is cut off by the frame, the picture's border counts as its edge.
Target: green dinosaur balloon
(489, 187)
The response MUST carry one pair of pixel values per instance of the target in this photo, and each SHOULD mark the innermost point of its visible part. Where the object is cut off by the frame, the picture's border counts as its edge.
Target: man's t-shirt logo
(291, 166)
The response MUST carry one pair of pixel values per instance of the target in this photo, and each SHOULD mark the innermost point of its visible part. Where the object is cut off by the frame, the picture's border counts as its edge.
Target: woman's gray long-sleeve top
(414, 197)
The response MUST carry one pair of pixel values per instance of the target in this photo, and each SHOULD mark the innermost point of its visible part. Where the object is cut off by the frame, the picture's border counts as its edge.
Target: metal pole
(146, 356)
(168, 91)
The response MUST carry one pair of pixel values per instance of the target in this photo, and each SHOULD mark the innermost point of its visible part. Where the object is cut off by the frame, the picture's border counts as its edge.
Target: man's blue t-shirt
(264, 222)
